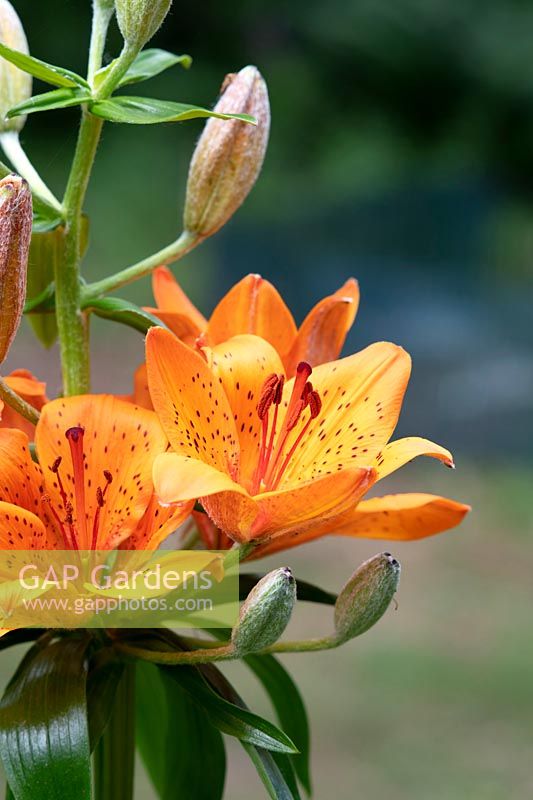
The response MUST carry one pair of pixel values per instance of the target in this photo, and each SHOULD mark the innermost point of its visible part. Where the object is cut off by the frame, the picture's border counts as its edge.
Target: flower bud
(229, 154)
(138, 20)
(266, 612)
(15, 234)
(366, 596)
(15, 85)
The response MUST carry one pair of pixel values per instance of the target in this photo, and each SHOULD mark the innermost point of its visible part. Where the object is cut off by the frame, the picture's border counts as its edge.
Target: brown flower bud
(229, 154)
(138, 20)
(15, 85)
(15, 234)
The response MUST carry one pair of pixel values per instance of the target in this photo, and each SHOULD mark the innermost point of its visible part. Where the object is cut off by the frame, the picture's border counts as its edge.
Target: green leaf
(47, 101)
(44, 739)
(152, 62)
(118, 310)
(147, 111)
(173, 733)
(102, 683)
(230, 718)
(289, 707)
(306, 591)
(275, 769)
(57, 76)
(275, 772)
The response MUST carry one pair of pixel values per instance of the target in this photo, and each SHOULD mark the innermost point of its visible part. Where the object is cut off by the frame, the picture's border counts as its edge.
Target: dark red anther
(108, 476)
(266, 398)
(100, 497)
(315, 404)
(278, 394)
(55, 466)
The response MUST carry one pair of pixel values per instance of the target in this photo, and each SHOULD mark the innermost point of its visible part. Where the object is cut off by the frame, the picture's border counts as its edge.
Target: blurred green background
(401, 153)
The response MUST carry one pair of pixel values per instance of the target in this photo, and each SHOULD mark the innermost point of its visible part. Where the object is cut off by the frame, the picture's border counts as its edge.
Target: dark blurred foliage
(401, 152)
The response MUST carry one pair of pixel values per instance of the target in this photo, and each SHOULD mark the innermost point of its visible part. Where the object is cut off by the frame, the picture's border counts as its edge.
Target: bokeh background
(401, 153)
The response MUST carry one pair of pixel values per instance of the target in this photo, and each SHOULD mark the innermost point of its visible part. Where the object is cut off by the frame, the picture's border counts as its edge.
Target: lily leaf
(230, 718)
(47, 101)
(289, 706)
(147, 111)
(123, 311)
(152, 62)
(102, 684)
(49, 73)
(172, 729)
(44, 738)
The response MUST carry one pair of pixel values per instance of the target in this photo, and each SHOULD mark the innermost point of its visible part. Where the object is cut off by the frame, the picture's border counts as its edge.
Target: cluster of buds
(15, 234)
(15, 85)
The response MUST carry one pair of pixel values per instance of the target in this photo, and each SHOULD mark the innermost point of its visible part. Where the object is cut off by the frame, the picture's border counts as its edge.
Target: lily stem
(167, 255)
(201, 656)
(17, 403)
(114, 756)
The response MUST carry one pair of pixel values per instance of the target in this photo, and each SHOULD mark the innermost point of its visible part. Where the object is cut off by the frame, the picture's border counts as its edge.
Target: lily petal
(400, 517)
(190, 402)
(30, 389)
(22, 530)
(243, 363)
(169, 296)
(178, 478)
(253, 306)
(157, 523)
(309, 504)
(21, 479)
(361, 401)
(395, 454)
(119, 438)
(181, 326)
(323, 332)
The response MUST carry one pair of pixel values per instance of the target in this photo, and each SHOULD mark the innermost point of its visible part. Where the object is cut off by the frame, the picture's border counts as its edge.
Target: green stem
(17, 403)
(183, 657)
(173, 252)
(71, 323)
(13, 149)
(102, 12)
(303, 646)
(114, 756)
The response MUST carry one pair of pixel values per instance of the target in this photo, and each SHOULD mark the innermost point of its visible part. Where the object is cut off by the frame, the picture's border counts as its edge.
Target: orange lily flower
(92, 489)
(254, 306)
(32, 391)
(274, 460)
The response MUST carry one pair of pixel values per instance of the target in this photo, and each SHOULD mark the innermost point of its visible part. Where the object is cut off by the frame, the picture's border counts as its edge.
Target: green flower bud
(138, 20)
(229, 155)
(266, 612)
(15, 85)
(366, 596)
(15, 234)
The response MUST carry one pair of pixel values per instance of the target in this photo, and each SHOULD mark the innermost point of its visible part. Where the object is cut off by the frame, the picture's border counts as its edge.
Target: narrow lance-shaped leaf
(172, 729)
(118, 310)
(44, 738)
(152, 62)
(49, 73)
(147, 111)
(289, 707)
(48, 101)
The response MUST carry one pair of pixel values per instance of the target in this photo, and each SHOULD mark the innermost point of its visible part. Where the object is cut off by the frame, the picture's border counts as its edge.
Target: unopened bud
(366, 596)
(229, 154)
(266, 612)
(138, 20)
(15, 234)
(15, 85)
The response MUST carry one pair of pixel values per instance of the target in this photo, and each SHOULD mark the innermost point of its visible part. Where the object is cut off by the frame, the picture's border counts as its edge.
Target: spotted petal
(395, 454)
(361, 401)
(119, 438)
